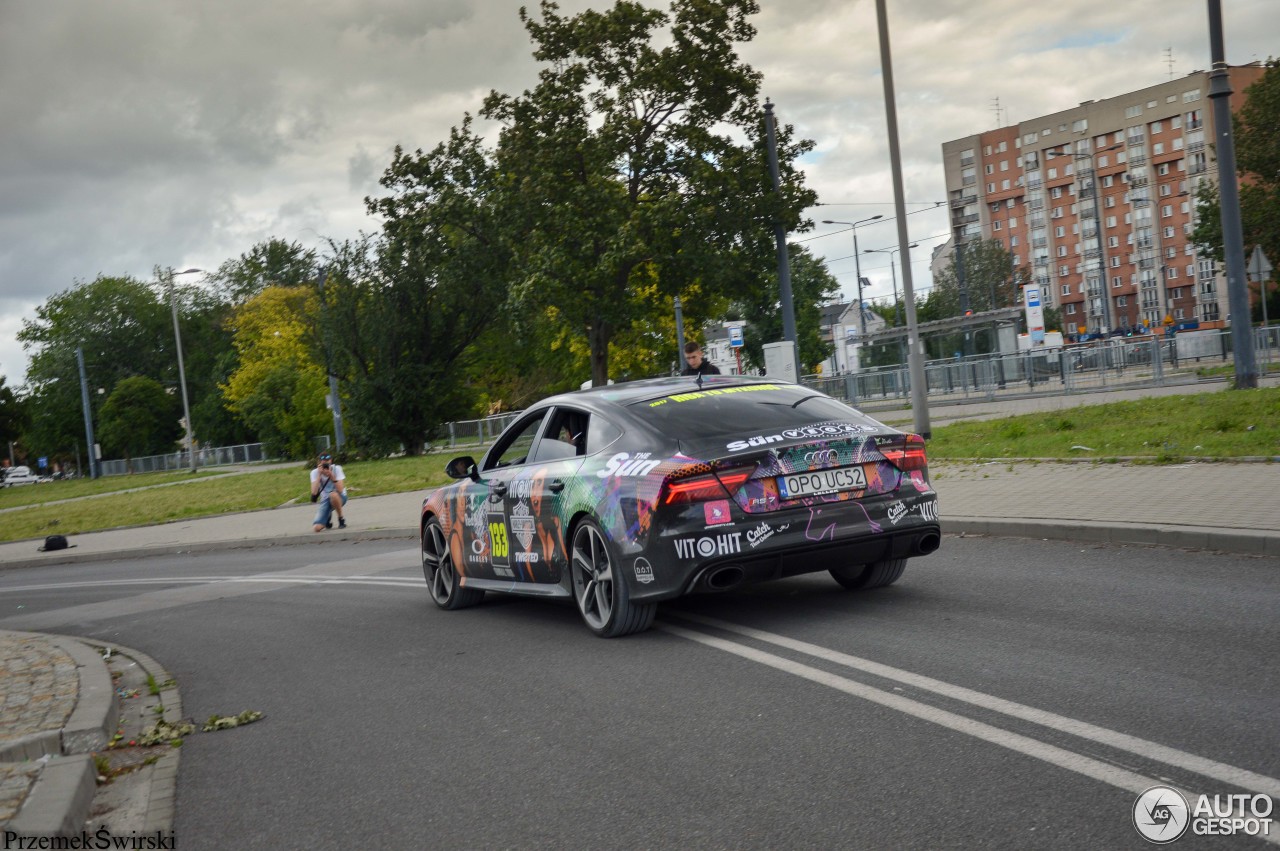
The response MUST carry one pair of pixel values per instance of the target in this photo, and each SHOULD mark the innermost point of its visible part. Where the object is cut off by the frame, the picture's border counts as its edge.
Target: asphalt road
(1004, 694)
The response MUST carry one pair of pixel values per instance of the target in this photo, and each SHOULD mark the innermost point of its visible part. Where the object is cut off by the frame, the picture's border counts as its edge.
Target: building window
(1117, 281)
(1013, 241)
(1080, 125)
(1168, 233)
(1066, 289)
(1059, 231)
(1122, 301)
(995, 225)
(1156, 127)
(1004, 184)
(1013, 220)
(1062, 251)
(1191, 96)
(989, 168)
(1071, 309)
(1133, 111)
(1157, 148)
(1166, 211)
(991, 187)
(1004, 165)
(1108, 181)
(1113, 242)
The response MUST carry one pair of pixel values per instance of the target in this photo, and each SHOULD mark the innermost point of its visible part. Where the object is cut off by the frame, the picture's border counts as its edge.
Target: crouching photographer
(329, 490)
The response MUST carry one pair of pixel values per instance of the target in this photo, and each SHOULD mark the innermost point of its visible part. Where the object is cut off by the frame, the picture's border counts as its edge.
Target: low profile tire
(442, 576)
(599, 589)
(875, 575)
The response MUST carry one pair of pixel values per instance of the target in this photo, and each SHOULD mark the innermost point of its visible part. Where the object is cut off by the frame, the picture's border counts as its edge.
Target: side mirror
(462, 467)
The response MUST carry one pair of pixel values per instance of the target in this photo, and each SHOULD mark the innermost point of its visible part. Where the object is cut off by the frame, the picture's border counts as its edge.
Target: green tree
(1256, 133)
(278, 386)
(638, 158)
(13, 418)
(404, 313)
(990, 280)
(139, 418)
(811, 287)
(125, 330)
(271, 263)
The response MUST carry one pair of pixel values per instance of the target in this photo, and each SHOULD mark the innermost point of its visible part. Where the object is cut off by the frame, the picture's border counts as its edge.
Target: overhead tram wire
(935, 205)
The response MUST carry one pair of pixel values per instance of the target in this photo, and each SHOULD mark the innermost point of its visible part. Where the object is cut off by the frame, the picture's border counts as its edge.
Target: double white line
(1088, 766)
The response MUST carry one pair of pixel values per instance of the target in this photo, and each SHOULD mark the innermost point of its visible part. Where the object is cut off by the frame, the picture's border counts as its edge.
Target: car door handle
(498, 488)
(556, 485)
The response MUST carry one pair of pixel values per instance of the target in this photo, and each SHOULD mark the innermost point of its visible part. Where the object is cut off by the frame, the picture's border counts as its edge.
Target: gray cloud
(139, 133)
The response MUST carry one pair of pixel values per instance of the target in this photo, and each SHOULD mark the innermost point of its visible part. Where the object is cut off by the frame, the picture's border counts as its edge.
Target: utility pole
(915, 354)
(88, 417)
(334, 402)
(780, 238)
(1229, 195)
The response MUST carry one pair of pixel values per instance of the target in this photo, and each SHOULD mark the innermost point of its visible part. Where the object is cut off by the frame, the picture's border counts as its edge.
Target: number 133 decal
(499, 546)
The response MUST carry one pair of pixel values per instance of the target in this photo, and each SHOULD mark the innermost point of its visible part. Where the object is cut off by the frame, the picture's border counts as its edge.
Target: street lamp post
(893, 273)
(857, 266)
(182, 370)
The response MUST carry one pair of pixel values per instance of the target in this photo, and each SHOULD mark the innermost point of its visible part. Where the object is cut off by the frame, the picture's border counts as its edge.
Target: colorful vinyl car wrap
(696, 511)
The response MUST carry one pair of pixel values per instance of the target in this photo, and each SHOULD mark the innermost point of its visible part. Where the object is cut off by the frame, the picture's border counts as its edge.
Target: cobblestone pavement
(39, 686)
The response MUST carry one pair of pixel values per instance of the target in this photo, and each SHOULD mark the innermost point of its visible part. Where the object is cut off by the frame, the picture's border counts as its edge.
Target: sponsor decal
(929, 511)
(717, 512)
(896, 512)
(644, 571)
(528, 558)
(626, 464)
(522, 524)
(820, 430)
(758, 535)
(703, 394)
(710, 545)
(503, 571)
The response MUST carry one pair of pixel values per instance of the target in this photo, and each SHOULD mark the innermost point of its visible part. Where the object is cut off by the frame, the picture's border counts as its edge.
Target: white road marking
(1121, 741)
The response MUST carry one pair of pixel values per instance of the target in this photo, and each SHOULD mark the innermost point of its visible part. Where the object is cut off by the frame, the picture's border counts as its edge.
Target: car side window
(600, 433)
(566, 434)
(513, 446)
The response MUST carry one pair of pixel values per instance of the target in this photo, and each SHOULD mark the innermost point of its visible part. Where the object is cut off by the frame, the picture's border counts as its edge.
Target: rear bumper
(788, 543)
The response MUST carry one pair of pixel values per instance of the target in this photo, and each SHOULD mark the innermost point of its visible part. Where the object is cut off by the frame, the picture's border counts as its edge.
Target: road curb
(94, 718)
(1237, 541)
(59, 801)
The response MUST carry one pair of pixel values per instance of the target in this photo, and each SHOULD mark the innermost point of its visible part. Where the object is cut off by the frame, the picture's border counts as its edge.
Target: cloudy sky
(141, 133)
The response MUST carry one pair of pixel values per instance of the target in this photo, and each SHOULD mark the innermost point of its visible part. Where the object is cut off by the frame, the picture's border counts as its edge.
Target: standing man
(329, 489)
(698, 365)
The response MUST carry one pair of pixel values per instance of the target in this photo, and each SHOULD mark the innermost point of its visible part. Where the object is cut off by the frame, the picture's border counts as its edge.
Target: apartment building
(1099, 202)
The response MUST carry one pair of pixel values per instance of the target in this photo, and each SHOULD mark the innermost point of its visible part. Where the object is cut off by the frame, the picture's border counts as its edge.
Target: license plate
(818, 482)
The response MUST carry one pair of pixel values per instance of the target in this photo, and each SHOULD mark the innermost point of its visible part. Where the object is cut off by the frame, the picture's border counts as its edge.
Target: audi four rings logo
(822, 456)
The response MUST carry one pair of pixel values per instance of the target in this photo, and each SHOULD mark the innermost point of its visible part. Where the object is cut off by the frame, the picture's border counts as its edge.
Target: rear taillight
(704, 487)
(907, 455)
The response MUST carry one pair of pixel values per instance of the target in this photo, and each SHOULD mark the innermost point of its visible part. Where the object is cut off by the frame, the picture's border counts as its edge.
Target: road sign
(735, 336)
(1259, 265)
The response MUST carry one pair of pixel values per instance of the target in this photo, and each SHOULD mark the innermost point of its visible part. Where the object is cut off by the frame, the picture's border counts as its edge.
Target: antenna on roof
(996, 108)
(1168, 58)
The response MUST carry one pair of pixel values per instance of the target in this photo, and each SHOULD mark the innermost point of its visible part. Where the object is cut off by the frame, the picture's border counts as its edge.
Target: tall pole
(780, 238)
(88, 418)
(1229, 195)
(1099, 232)
(182, 370)
(335, 403)
(915, 355)
(857, 266)
(680, 335)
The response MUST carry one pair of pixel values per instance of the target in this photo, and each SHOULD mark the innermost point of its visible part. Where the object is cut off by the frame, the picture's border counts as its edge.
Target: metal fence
(211, 457)
(473, 432)
(1116, 363)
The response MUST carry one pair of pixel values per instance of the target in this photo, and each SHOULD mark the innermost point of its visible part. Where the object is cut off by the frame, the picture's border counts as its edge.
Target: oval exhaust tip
(724, 578)
(928, 543)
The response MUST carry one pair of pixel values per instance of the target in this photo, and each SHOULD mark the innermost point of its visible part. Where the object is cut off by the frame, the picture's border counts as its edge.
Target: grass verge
(223, 495)
(1224, 425)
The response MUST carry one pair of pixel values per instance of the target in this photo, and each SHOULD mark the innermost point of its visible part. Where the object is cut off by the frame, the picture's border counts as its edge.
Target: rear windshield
(748, 409)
